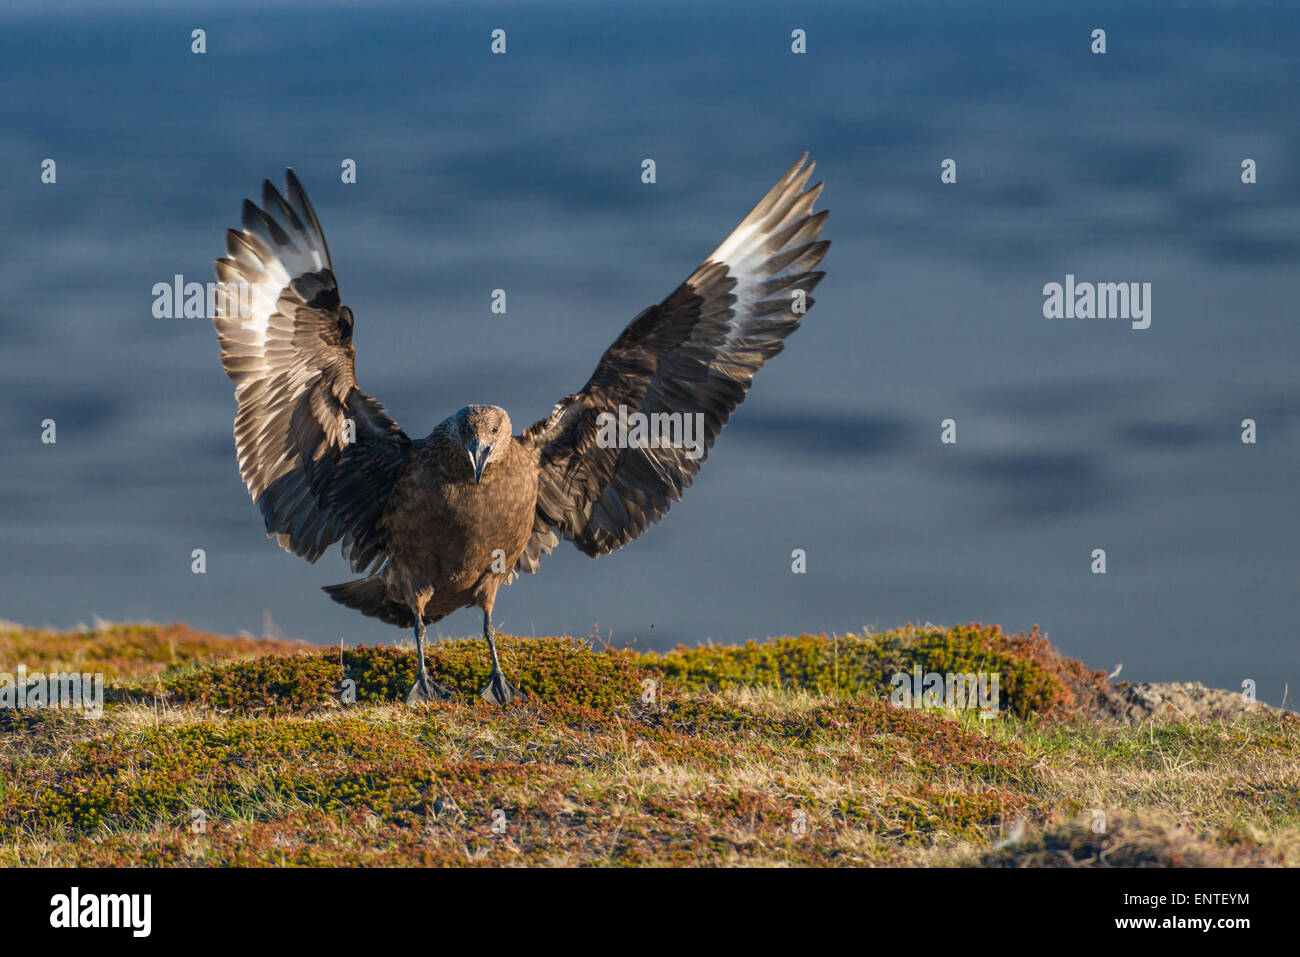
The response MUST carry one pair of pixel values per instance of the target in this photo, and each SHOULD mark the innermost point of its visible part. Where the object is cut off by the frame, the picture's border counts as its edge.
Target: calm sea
(522, 172)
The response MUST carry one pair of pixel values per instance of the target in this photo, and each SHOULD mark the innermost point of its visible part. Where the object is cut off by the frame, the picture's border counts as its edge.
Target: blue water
(523, 172)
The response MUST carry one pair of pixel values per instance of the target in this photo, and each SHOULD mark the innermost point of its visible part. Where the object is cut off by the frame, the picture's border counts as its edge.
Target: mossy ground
(217, 752)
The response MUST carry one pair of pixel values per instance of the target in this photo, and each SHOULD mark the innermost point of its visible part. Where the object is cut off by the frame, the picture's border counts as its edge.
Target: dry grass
(786, 769)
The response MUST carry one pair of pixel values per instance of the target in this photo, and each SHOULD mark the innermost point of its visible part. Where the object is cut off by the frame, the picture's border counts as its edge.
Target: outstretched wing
(286, 343)
(694, 353)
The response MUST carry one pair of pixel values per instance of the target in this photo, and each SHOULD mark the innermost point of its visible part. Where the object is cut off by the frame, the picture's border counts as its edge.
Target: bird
(439, 523)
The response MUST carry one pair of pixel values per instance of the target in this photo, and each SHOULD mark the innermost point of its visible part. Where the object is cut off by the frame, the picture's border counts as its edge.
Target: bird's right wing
(694, 354)
(318, 455)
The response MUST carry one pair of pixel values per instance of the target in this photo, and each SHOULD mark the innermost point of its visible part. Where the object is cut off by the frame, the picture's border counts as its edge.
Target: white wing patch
(771, 244)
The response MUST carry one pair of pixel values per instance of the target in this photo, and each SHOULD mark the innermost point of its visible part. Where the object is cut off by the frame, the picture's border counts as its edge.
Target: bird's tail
(370, 597)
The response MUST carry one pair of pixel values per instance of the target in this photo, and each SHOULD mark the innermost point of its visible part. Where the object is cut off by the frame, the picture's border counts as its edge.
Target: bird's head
(483, 434)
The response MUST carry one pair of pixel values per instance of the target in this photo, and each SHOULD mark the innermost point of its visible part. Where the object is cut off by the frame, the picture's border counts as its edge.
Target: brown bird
(441, 523)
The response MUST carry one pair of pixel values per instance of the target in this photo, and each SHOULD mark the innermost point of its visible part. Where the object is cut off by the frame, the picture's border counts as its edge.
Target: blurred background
(522, 172)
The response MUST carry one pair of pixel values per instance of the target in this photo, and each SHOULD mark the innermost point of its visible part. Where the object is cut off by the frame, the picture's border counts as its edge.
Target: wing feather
(694, 353)
(286, 343)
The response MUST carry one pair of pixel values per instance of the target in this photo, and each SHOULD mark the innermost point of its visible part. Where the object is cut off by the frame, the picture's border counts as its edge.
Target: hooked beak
(478, 453)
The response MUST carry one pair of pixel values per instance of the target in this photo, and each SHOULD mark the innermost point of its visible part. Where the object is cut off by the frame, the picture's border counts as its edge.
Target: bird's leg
(425, 688)
(497, 690)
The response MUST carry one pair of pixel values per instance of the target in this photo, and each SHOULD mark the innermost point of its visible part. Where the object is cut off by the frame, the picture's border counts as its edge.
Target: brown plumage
(441, 523)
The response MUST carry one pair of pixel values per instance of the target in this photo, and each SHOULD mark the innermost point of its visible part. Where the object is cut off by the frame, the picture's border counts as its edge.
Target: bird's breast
(453, 531)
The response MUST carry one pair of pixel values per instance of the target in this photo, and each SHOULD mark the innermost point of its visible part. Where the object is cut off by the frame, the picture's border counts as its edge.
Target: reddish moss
(129, 651)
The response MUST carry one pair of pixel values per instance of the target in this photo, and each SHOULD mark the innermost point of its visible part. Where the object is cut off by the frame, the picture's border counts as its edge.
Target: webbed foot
(498, 690)
(426, 690)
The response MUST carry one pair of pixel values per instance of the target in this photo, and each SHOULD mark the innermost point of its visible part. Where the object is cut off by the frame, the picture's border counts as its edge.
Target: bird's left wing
(318, 455)
(693, 354)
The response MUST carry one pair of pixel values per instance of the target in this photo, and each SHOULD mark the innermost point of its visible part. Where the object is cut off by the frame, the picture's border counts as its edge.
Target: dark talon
(498, 690)
(426, 689)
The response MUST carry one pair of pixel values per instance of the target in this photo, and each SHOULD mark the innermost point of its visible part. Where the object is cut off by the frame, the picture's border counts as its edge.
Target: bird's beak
(478, 453)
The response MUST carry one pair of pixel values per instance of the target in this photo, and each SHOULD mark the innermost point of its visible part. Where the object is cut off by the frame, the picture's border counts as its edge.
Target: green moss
(737, 747)
(547, 669)
(1033, 679)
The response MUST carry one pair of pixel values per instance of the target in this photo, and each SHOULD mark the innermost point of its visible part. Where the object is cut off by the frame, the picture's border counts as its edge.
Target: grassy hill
(218, 751)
